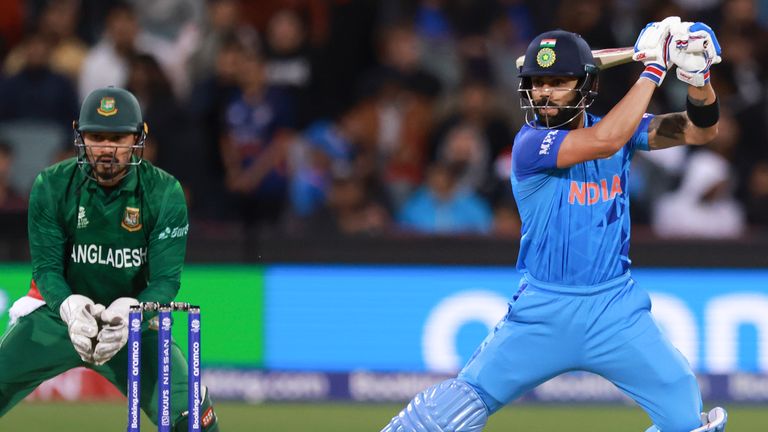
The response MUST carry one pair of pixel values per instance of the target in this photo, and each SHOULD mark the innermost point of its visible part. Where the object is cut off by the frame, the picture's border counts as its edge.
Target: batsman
(106, 230)
(577, 306)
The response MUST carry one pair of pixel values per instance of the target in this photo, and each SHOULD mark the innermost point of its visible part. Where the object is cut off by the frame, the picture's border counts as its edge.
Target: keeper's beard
(108, 170)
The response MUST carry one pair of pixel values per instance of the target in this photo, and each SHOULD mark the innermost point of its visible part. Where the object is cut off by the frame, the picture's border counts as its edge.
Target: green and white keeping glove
(79, 313)
(114, 329)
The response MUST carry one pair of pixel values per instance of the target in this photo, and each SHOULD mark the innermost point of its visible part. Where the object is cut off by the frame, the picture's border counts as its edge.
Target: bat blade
(604, 58)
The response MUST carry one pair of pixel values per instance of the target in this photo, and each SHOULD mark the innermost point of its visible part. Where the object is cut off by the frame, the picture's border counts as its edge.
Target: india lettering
(589, 193)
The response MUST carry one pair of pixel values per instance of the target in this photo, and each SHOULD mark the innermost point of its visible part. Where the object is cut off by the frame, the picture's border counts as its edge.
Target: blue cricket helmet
(564, 54)
(558, 53)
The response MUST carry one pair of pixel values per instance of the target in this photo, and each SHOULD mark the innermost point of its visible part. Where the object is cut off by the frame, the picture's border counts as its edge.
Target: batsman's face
(550, 93)
(109, 154)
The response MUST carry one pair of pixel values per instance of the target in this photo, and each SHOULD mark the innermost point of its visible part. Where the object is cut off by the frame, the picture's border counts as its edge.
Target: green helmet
(110, 109)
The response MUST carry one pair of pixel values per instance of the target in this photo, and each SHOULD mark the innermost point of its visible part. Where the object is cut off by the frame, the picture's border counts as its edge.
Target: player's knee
(209, 422)
(450, 406)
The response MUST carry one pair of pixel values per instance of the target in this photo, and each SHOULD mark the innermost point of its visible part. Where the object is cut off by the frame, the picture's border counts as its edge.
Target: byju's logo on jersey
(82, 221)
(131, 220)
(547, 142)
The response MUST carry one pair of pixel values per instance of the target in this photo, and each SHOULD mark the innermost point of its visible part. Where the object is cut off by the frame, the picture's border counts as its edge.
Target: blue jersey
(575, 220)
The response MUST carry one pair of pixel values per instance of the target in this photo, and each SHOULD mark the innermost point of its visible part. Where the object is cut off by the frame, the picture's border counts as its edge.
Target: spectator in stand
(108, 62)
(485, 127)
(705, 206)
(466, 151)
(37, 93)
(326, 148)
(58, 25)
(208, 105)
(442, 207)
(171, 133)
(744, 91)
(10, 201)
(254, 146)
(168, 19)
(288, 59)
(351, 208)
(400, 112)
(222, 26)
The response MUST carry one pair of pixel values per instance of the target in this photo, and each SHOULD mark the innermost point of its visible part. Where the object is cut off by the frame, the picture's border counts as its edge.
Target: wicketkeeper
(106, 230)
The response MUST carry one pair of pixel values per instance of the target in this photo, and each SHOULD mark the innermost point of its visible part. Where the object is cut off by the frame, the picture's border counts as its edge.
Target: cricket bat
(604, 58)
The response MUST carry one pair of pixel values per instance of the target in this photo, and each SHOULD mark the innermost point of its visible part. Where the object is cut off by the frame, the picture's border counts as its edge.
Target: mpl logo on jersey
(547, 142)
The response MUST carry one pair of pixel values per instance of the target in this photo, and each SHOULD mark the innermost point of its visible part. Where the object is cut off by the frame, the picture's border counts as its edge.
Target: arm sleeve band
(703, 116)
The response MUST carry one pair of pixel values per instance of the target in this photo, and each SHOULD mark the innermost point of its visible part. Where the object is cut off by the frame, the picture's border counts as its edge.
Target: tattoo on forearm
(670, 126)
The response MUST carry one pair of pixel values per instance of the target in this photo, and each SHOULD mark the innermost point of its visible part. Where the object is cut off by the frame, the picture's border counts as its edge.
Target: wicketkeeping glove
(79, 313)
(694, 48)
(114, 329)
(651, 48)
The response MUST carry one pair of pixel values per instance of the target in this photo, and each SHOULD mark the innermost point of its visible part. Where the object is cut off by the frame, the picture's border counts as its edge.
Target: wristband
(655, 73)
(703, 116)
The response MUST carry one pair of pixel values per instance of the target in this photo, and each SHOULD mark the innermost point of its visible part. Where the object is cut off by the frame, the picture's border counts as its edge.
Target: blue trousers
(605, 329)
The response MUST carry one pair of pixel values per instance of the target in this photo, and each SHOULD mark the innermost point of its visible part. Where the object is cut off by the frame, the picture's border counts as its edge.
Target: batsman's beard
(562, 115)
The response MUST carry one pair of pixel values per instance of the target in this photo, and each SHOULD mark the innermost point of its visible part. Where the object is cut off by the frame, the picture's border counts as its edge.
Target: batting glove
(651, 48)
(114, 331)
(79, 313)
(694, 49)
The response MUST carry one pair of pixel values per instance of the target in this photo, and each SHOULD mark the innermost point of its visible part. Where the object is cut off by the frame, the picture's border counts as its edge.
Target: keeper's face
(549, 93)
(109, 154)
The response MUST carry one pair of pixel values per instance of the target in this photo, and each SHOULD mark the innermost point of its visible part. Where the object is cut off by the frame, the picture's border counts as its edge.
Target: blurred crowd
(367, 117)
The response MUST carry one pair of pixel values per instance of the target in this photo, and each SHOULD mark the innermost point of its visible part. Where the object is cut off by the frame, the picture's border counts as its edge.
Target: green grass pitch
(337, 417)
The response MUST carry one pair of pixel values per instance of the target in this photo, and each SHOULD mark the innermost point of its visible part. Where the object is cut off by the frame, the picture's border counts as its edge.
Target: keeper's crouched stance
(577, 306)
(106, 230)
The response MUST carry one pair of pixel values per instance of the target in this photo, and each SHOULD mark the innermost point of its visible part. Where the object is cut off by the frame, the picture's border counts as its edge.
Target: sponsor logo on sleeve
(173, 232)
(547, 142)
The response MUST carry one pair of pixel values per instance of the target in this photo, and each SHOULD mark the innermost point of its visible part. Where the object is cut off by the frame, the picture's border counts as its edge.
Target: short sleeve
(639, 140)
(535, 150)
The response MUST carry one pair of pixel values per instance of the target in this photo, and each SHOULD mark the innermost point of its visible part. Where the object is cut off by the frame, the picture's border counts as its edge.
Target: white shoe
(714, 421)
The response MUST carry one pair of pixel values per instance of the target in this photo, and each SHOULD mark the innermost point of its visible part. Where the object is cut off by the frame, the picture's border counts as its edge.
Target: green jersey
(104, 243)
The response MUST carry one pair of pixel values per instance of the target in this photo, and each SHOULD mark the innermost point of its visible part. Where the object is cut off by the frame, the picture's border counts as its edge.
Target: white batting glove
(79, 313)
(651, 48)
(114, 329)
(694, 49)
